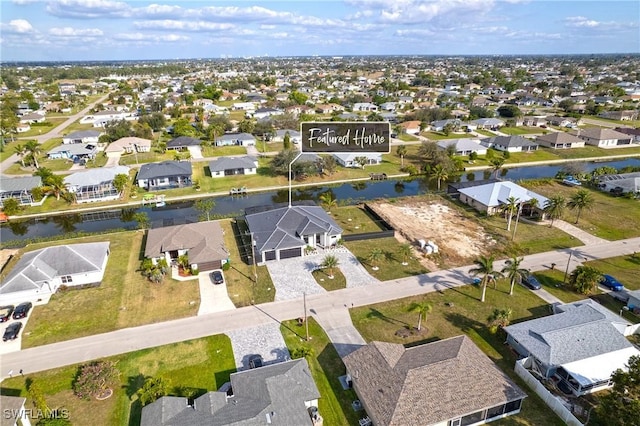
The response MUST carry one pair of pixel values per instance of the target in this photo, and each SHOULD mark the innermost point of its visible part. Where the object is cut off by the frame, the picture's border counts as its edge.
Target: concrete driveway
(265, 340)
(13, 345)
(196, 152)
(213, 297)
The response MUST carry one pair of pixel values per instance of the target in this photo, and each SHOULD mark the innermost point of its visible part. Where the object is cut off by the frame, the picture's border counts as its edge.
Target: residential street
(319, 305)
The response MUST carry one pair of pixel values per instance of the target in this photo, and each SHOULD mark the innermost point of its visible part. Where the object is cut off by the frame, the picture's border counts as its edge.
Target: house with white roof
(490, 197)
(19, 188)
(40, 273)
(350, 159)
(582, 344)
(82, 136)
(463, 146)
(95, 185)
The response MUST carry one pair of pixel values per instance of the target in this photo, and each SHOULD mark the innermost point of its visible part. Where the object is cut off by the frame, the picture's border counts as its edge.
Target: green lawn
(124, 299)
(330, 283)
(521, 130)
(390, 267)
(625, 268)
(485, 133)
(611, 218)
(407, 137)
(355, 220)
(436, 136)
(218, 151)
(326, 366)
(196, 366)
(455, 312)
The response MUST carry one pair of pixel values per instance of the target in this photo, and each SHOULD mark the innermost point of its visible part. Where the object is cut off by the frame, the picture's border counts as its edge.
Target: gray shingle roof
(601, 134)
(578, 333)
(81, 134)
(225, 163)
(284, 227)
(278, 391)
(165, 169)
(204, 241)
(25, 183)
(558, 137)
(37, 266)
(511, 141)
(97, 176)
(75, 149)
(183, 141)
(427, 384)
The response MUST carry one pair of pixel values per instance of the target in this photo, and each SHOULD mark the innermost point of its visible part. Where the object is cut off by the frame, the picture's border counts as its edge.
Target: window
(454, 422)
(495, 412)
(472, 418)
(512, 406)
(66, 279)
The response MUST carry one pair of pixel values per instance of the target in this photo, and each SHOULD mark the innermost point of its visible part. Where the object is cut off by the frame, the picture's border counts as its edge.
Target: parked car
(217, 277)
(611, 283)
(22, 310)
(5, 313)
(12, 331)
(531, 282)
(255, 361)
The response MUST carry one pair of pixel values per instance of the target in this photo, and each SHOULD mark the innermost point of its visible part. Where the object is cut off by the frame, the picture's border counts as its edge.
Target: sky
(77, 30)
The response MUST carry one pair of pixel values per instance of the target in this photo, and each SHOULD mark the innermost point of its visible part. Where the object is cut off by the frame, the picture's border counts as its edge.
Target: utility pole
(253, 256)
(566, 271)
(513, 236)
(306, 323)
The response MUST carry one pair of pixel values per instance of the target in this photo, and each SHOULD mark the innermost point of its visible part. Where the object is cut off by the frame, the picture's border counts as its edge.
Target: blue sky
(62, 30)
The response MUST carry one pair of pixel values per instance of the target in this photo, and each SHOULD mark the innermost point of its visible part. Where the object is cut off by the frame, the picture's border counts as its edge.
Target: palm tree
(484, 267)
(423, 309)
(55, 186)
(330, 261)
(554, 207)
(510, 208)
(327, 200)
(496, 165)
(500, 318)
(583, 199)
(20, 152)
(513, 271)
(401, 150)
(375, 256)
(405, 252)
(33, 148)
(533, 204)
(585, 279)
(439, 173)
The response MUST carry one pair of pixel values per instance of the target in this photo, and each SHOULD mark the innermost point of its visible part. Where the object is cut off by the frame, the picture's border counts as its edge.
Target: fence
(388, 230)
(552, 401)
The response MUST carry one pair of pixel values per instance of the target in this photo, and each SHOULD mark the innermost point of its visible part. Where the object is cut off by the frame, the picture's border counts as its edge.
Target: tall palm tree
(20, 152)
(330, 262)
(484, 267)
(375, 256)
(439, 173)
(401, 150)
(533, 204)
(510, 208)
(514, 272)
(55, 185)
(554, 207)
(583, 199)
(33, 148)
(423, 308)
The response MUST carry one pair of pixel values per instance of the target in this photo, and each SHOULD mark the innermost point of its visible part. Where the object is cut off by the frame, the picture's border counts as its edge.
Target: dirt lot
(459, 239)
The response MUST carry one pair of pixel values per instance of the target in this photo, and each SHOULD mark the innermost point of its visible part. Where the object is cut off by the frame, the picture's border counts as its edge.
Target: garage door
(269, 255)
(288, 253)
(209, 266)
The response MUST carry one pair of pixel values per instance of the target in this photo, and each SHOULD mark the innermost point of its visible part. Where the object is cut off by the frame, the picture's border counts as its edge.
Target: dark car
(611, 283)
(5, 313)
(22, 310)
(255, 361)
(12, 331)
(531, 282)
(217, 278)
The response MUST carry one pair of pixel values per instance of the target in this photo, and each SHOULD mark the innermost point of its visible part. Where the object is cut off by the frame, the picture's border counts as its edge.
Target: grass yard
(551, 281)
(241, 287)
(326, 366)
(520, 130)
(436, 136)
(337, 282)
(611, 218)
(196, 366)
(390, 266)
(405, 137)
(355, 220)
(459, 311)
(270, 146)
(124, 299)
(625, 269)
(218, 151)
(43, 128)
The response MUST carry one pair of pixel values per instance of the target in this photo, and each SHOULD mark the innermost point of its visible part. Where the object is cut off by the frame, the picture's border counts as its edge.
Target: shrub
(92, 379)
(226, 266)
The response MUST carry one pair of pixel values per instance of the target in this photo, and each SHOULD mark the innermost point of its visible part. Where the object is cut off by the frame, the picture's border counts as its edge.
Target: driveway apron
(265, 340)
(213, 297)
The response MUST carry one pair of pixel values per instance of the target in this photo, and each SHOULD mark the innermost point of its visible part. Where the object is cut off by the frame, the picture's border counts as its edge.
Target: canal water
(183, 212)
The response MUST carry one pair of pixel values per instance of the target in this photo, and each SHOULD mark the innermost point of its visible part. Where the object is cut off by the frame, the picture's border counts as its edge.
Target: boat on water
(571, 181)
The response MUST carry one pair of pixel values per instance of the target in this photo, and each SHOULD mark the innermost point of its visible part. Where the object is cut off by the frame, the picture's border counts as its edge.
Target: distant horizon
(147, 30)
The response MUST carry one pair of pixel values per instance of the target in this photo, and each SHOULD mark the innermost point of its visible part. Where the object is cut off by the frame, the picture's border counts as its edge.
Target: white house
(82, 136)
(95, 185)
(40, 273)
(231, 139)
(349, 159)
(364, 106)
(229, 166)
(463, 146)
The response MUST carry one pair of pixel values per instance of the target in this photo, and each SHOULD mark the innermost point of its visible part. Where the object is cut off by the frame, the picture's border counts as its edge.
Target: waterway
(183, 212)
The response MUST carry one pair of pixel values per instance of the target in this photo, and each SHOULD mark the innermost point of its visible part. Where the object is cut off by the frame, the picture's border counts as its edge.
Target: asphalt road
(131, 339)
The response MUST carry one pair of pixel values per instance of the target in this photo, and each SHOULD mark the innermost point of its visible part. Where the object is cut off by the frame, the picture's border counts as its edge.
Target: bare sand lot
(459, 239)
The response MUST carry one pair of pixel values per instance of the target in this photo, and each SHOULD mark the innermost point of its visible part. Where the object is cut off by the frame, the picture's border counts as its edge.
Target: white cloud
(18, 26)
(76, 32)
(581, 21)
(419, 11)
(174, 25)
(88, 9)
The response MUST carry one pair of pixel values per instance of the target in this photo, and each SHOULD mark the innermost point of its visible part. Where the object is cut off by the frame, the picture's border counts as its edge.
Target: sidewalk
(341, 331)
(578, 233)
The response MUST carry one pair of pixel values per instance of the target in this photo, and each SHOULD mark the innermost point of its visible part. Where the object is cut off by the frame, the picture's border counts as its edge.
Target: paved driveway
(213, 297)
(196, 152)
(265, 340)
